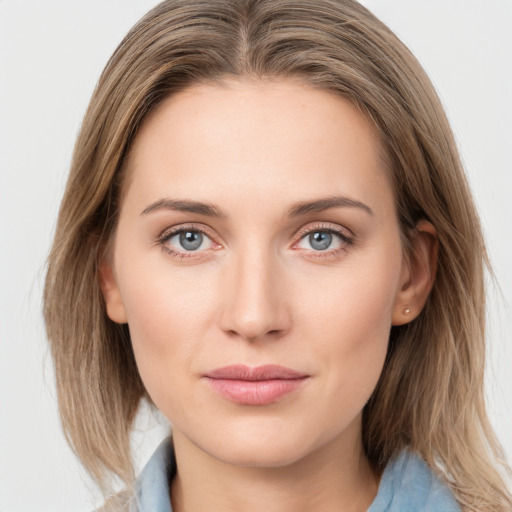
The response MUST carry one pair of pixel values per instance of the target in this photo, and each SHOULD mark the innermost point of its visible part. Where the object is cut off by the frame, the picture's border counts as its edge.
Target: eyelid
(347, 239)
(170, 232)
(343, 232)
(187, 226)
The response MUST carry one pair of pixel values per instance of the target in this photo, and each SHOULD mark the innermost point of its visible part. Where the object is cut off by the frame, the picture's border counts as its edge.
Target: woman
(267, 233)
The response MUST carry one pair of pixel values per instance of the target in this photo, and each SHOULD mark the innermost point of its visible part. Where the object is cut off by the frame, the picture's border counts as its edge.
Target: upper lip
(264, 372)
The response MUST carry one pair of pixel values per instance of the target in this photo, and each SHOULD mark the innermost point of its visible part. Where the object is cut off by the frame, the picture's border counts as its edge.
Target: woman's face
(258, 228)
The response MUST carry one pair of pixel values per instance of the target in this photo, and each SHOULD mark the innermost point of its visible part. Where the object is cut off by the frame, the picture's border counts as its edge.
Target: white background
(51, 54)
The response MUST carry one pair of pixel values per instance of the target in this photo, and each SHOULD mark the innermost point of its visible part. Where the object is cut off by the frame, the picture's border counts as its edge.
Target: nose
(255, 306)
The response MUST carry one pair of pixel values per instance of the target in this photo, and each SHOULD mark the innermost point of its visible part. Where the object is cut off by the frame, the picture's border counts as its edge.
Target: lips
(261, 385)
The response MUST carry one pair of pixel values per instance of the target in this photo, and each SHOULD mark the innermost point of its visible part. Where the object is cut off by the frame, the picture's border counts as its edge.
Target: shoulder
(409, 484)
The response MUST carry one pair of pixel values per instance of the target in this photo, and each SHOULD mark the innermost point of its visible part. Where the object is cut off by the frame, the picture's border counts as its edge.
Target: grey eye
(187, 241)
(320, 240)
(190, 240)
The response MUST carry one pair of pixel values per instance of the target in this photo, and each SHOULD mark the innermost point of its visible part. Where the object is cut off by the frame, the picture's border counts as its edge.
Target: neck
(333, 478)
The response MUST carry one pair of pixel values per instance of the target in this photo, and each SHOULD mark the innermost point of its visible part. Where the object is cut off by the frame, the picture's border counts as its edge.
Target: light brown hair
(430, 396)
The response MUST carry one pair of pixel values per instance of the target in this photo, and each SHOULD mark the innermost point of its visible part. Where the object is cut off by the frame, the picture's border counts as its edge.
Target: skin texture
(257, 291)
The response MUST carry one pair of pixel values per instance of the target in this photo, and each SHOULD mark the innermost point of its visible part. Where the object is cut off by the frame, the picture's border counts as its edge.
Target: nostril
(254, 336)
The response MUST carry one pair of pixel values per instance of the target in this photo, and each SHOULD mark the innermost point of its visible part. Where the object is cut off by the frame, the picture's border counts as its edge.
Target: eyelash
(167, 234)
(346, 237)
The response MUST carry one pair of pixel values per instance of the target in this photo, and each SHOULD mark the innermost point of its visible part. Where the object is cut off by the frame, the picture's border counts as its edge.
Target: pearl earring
(407, 311)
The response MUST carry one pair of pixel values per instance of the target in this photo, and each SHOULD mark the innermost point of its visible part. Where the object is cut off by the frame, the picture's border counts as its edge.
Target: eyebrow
(319, 205)
(296, 210)
(183, 205)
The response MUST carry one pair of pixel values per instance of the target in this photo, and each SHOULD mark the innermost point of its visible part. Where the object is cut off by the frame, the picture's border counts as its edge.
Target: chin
(258, 455)
(264, 448)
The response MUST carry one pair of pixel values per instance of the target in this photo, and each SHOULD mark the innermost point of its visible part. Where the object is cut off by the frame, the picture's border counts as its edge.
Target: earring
(407, 311)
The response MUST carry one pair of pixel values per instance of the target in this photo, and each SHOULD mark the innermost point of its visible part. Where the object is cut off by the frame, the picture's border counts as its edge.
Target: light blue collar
(407, 485)
(152, 486)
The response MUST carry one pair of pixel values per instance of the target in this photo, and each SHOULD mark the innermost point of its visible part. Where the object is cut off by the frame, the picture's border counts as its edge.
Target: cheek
(348, 315)
(356, 299)
(168, 313)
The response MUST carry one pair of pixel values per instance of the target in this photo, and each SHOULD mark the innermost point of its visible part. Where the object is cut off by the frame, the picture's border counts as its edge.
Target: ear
(418, 274)
(111, 293)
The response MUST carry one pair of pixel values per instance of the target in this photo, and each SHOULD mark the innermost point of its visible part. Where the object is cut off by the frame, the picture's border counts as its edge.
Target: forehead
(265, 139)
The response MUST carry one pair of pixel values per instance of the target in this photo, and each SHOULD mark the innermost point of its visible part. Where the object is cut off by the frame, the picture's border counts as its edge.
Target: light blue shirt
(407, 485)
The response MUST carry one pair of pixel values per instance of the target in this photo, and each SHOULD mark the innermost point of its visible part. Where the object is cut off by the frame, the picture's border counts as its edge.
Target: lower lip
(260, 392)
